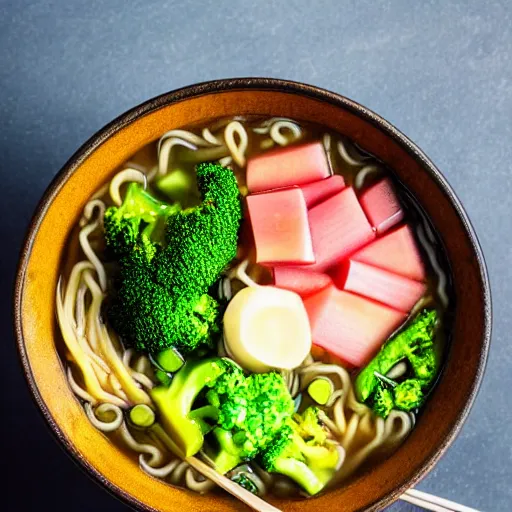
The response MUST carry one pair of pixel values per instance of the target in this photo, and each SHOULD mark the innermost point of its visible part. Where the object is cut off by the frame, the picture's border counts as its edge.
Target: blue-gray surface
(439, 70)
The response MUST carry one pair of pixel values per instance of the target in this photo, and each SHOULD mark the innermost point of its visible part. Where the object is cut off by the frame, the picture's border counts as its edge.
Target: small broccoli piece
(308, 426)
(408, 395)
(251, 410)
(301, 452)
(138, 223)
(175, 402)
(167, 261)
(414, 344)
(225, 385)
(423, 359)
(223, 451)
(383, 402)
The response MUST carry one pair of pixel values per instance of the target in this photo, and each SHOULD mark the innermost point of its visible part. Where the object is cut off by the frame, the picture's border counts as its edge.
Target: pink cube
(338, 228)
(382, 206)
(280, 227)
(319, 191)
(296, 165)
(397, 252)
(300, 280)
(348, 326)
(391, 289)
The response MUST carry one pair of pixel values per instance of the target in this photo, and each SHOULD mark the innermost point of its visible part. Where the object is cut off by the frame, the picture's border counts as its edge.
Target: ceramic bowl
(94, 164)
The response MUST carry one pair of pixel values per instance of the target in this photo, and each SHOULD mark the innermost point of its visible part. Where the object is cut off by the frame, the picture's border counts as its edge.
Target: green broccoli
(201, 241)
(241, 414)
(139, 223)
(250, 412)
(168, 258)
(408, 395)
(175, 402)
(383, 401)
(415, 344)
(301, 451)
(149, 317)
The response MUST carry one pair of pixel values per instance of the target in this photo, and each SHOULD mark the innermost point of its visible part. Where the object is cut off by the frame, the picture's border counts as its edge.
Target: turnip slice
(296, 165)
(319, 191)
(265, 328)
(280, 227)
(338, 228)
(382, 206)
(301, 281)
(397, 252)
(350, 327)
(391, 289)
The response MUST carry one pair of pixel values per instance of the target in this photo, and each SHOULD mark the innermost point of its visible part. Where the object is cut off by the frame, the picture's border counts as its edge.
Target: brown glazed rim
(248, 84)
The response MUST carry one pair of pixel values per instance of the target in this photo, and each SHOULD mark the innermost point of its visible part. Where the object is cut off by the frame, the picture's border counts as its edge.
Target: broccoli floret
(175, 402)
(245, 412)
(414, 344)
(168, 259)
(201, 241)
(251, 410)
(151, 309)
(137, 224)
(225, 385)
(383, 402)
(408, 395)
(301, 451)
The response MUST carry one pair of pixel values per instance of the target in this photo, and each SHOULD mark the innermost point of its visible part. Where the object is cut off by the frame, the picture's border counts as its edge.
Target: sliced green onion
(142, 416)
(169, 360)
(320, 390)
(162, 377)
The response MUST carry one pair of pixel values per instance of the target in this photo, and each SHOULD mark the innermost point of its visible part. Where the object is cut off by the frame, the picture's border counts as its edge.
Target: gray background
(439, 70)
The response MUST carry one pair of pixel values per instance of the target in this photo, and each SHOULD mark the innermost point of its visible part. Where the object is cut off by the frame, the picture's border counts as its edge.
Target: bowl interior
(96, 162)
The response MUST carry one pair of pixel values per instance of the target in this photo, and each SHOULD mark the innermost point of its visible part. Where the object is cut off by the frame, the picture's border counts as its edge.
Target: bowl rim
(218, 86)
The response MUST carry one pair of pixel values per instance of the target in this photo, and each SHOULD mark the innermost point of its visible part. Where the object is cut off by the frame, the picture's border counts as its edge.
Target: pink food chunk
(280, 227)
(350, 327)
(338, 228)
(397, 252)
(301, 281)
(382, 206)
(396, 291)
(296, 165)
(319, 191)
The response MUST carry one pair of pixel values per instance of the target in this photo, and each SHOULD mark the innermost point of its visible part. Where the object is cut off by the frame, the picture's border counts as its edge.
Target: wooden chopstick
(207, 471)
(228, 485)
(433, 503)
